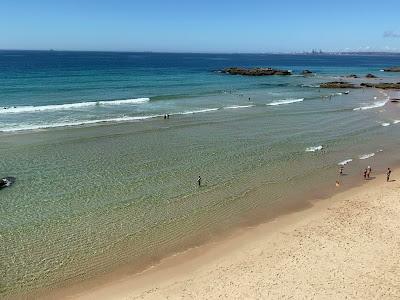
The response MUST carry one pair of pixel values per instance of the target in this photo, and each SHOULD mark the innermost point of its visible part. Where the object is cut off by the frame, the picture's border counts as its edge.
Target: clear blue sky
(201, 25)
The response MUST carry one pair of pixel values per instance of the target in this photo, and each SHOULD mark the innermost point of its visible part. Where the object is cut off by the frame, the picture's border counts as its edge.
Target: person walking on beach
(365, 173)
(199, 181)
(369, 170)
(389, 171)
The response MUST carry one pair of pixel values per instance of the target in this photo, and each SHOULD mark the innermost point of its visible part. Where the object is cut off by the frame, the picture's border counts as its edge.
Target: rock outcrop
(370, 76)
(337, 85)
(306, 72)
(392, 69)
(382, 85)
(352, 76)
(255, 71)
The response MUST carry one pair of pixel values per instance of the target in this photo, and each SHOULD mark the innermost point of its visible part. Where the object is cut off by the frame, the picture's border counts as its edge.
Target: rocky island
(382, 85)
(255, 71)
(392, 69)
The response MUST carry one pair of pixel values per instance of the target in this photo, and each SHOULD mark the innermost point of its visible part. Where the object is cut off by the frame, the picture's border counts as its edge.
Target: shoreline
(182, 265)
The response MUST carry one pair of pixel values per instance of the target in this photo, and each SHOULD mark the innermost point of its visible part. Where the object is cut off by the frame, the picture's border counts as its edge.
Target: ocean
(103, 181)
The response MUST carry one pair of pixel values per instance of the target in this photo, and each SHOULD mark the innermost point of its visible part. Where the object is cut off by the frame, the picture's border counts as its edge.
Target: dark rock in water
(392, 69)
(382, 85)
(370, 76)
(352, 76)
(6, 182)
(337, 85)
(395, 100)
(255, 71)
(306, 72)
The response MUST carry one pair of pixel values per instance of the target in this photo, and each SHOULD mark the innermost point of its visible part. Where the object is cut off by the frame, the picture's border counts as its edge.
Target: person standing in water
(389, 171)
(365, 173)
(199, 181)
(341, 170)
(369, 170)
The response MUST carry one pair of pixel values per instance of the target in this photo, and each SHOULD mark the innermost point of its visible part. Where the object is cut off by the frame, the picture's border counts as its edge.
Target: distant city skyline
(201, 26)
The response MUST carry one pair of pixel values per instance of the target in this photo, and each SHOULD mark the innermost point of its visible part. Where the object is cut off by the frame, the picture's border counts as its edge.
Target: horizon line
(312, 52)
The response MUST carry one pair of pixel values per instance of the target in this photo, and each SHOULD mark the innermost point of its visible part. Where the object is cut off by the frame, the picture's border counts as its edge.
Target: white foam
(314, 148)
(385, 124)
(374, 105)
(287, 101)
(310, 85)
(396, 121)
(24, 127)
(238, 106)
(345, 162)
(69, 106)
(196, 111)
(365, 156)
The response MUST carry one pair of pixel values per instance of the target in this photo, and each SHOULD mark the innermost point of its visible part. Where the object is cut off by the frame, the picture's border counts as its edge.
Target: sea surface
(103, 181)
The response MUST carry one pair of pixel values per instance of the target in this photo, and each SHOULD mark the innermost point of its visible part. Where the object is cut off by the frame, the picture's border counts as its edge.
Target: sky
(249, 26)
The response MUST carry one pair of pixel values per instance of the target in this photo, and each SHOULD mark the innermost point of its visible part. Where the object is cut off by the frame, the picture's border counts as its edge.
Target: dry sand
(346, 246)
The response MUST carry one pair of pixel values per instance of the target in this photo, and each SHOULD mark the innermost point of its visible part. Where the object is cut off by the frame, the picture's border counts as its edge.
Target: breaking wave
(286, 101)
(365, 156)
(24, 127)
(238, 106)
(345, 162)
(374, 105)
(70, 106)
(314, 148)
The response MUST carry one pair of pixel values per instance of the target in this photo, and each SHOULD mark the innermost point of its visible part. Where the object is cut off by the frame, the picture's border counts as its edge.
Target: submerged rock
(370, 76)
(255, 71)
(306, 72)
(337, 85)
(352, 76)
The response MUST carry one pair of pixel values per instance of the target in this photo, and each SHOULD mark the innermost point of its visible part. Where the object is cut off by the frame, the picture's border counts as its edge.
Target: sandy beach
(345, 246)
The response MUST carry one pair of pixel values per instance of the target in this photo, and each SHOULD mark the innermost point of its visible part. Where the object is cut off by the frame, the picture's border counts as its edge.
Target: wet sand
(343, 246)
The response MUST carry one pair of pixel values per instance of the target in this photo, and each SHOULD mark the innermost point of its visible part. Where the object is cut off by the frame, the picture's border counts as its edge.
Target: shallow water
(122, 188)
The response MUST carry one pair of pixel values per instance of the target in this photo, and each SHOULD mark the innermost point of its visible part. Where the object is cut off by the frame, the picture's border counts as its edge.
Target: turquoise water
(103, 181)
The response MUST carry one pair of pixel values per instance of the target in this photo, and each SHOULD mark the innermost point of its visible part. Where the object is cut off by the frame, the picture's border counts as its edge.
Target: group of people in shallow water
(366, 174)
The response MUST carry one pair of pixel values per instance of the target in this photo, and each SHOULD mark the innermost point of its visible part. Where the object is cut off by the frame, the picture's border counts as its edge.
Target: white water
(23, 127)
(366, 156)
(314, 148)
(287, 101)
(238, 106)
(345, 162)
(70, 106)
(371, 106)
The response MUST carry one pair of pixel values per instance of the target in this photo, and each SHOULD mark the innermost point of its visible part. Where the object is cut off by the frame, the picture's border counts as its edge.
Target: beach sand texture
(346, 246)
